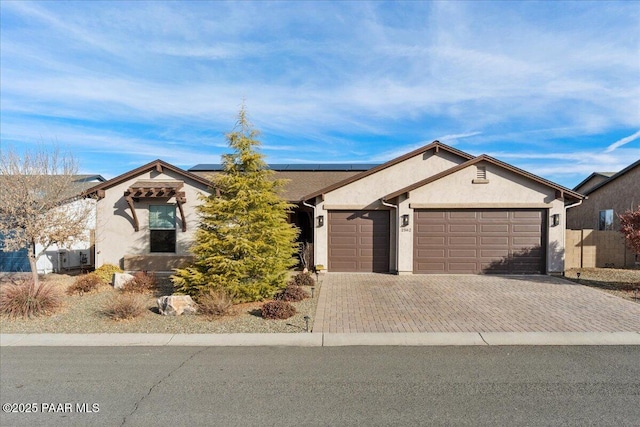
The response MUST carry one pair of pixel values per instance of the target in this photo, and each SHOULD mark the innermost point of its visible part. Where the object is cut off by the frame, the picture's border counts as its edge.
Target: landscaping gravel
(85, 314)
(624, 283)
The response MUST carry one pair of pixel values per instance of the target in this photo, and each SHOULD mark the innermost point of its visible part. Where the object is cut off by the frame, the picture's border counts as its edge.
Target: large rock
(175, 305)
(119, 279)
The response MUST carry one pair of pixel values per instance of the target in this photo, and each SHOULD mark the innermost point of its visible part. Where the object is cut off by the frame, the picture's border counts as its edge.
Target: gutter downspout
(564, 234)
(313, 221)
(397, 245)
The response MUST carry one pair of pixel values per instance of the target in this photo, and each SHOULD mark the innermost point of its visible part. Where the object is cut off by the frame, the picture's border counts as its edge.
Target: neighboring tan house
(146, 218)
(75, 255)
(440, 210)
(606, 199)
(593, 226)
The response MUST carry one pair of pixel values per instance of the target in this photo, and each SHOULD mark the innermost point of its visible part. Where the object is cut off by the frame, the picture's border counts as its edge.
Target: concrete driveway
(351, 302)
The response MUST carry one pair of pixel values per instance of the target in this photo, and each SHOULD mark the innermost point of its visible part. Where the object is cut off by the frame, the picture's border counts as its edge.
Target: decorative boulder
(119, 279)
(175, 305)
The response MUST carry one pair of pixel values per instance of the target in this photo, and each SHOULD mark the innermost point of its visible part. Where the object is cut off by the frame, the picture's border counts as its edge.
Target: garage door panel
(431, 241)
(431, 215)
(526, 228)
(434, 267)
(344, 252)
(467, 240)
(465, 215)
(494, 253)
(526, 215)
(463, 253)
(494, 241)
(494, 228)
(494, 215)
(479, 241)
(343, 240)
(431, 228)
(358, 241)
(431, 253)
(463, 228)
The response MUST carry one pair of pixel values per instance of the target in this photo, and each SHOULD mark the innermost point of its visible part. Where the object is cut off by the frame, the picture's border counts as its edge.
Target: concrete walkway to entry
(365, 303)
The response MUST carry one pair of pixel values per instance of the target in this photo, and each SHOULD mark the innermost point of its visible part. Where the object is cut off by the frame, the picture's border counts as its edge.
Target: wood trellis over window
(155, 190)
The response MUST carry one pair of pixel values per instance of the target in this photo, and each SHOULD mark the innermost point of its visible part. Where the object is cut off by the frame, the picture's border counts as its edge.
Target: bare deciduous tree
(39, 202)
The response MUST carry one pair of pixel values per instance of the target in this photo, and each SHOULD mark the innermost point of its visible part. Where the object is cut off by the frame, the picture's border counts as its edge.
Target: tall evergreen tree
(244, 244)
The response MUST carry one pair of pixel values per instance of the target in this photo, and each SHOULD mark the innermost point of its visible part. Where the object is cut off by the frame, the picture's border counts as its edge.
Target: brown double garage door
(467, 241)
(493, 241)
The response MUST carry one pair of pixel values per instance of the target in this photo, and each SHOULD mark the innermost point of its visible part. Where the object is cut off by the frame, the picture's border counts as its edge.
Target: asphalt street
(210, 386)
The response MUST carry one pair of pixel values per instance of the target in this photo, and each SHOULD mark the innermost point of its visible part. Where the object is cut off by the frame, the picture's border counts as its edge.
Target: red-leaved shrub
(277, 310)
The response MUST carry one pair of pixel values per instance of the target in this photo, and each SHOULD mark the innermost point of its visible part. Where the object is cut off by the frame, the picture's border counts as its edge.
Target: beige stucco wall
(621, 194)
(366, 193)
(116, 236)
(505, 189)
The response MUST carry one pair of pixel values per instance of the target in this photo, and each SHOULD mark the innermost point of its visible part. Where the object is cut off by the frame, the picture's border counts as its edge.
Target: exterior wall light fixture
(320, 220)
(555, 220)
(405, 220)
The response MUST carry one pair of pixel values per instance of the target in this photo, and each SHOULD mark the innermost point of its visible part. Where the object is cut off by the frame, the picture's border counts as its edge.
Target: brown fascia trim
(437, 145)
(561, 192)
(156, 164)
(613, 177)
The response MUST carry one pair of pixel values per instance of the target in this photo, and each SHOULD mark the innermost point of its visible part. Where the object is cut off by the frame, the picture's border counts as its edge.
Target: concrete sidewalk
(323, 339)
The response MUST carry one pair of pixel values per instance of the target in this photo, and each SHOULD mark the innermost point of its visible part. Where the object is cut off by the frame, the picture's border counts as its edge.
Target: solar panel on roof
(295, 167)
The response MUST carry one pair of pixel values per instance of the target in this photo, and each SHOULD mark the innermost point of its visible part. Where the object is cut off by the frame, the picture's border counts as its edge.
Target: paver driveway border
(382, 303)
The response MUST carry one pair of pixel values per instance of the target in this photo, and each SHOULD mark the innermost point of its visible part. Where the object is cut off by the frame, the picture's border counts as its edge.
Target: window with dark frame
(605, 220)
(162, 228)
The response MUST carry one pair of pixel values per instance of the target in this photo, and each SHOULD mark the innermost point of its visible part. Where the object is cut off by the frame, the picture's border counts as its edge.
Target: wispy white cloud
(366, 80)
(623, 141)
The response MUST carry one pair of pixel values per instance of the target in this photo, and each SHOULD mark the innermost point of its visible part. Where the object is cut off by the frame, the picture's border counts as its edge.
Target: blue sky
(550, 87)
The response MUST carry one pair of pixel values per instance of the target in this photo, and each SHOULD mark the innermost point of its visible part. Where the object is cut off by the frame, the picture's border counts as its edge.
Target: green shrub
(24, 299)
(141, 283)
(106, 271)
(215, 303)
(292, 293)
(125, 306)
(277, 310)
(302, 279)
(84, 284)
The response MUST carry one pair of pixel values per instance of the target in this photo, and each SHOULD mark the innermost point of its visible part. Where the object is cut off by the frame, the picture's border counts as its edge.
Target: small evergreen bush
(302, 279)
(141, 283)
(277, 310)
(292, 293)
(215, 303)
(25, 299)
(84, 284)
(105, 272)
(125, 306)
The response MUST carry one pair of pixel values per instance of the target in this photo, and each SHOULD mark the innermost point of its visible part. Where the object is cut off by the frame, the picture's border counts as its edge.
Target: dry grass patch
(22, 298)
(125, 306)
(215, 304)
(85, 284)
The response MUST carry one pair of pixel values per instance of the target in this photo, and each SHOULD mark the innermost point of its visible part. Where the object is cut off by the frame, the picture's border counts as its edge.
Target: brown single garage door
(359, 241)
(498, 241)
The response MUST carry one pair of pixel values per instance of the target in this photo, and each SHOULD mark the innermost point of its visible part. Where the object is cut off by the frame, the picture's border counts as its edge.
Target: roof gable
(158, 165)
(600, 176)
(484, 158)
(435, 145)
(612, 178)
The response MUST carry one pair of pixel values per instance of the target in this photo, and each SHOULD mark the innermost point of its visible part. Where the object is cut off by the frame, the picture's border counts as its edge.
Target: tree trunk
(33, 264)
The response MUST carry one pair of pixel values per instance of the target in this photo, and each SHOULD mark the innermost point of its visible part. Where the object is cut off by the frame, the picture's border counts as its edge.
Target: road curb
(403, 339)
(322, 339)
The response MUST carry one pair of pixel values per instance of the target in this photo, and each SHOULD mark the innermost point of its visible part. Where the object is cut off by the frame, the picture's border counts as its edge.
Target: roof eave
(437, 145)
